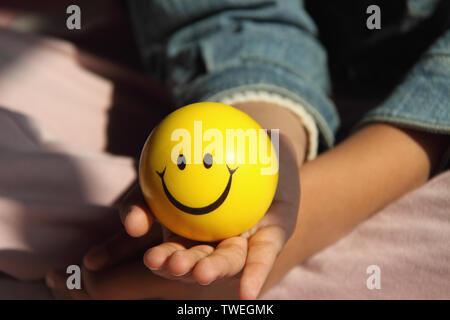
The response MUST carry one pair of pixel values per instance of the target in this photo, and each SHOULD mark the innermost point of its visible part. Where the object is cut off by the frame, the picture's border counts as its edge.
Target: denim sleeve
(422, 100)
(212, 49)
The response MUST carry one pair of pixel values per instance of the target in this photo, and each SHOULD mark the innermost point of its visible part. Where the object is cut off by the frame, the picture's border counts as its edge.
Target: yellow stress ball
(209, 171)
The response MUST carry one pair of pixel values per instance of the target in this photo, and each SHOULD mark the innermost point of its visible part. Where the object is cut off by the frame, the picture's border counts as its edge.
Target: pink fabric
(409, 241)
(58, 185)
(57, 182)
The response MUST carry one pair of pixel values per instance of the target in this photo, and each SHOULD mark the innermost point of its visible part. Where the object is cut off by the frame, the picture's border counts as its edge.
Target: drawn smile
(202, 210)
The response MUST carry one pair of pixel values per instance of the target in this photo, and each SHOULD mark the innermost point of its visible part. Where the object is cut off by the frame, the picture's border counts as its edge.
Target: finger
(264, 246)
(182, 261)
(118, 248)
(169, 236)
(156, 257)
(57, 282)
(135, 214)
(227, 260)
(164, 273)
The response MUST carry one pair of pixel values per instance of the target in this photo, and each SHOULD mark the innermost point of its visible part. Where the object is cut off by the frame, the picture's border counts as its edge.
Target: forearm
(347, 184)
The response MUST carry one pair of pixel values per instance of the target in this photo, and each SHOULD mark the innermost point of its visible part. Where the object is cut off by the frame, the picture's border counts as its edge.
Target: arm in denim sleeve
(422, 101)
(224, 50)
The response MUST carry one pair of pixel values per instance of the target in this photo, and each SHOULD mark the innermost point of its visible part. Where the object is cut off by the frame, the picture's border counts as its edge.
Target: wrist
(272, 116)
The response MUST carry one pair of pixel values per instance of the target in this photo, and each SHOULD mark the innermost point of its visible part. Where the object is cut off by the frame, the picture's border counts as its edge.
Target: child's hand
(252, 253)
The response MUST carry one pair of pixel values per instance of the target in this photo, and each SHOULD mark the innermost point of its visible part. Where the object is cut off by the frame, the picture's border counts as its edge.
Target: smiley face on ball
(207, 162)
(208, 171)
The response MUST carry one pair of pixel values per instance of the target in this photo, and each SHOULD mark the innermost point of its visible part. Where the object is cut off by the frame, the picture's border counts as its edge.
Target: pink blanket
(58, 184)
(409, 241)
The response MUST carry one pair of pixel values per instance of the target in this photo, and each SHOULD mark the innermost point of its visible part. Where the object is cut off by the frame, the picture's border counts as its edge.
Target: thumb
(135, 214)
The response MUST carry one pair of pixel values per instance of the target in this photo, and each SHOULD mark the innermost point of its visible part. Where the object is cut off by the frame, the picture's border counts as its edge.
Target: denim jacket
(223, 50)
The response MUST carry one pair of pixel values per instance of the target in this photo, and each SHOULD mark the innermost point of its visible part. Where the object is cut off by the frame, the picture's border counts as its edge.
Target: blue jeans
(206, 50)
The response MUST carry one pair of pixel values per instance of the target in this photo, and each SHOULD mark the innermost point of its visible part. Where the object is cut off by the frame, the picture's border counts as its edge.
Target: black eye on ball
(208, 160)
(181, 162)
